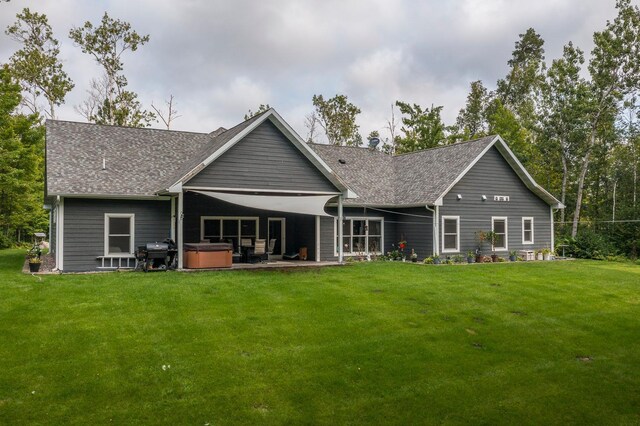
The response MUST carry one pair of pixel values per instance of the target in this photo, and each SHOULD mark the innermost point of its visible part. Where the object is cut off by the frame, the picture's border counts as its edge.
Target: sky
(220, 58)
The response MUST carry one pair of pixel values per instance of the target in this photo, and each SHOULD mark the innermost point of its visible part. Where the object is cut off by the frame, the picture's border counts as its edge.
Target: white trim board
(132, 233)
(457, 248)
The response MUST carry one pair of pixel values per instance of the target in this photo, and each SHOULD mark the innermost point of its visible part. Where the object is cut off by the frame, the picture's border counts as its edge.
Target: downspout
(435, 242)
(340, 220)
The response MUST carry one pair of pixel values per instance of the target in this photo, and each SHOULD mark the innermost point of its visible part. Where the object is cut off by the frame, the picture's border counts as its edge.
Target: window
(228, 228)
(527, 230)
(119, 234)
(499, 227)
(361, 235)
(450, 234)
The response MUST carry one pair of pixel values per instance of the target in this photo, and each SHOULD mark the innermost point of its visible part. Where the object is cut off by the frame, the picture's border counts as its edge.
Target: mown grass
(526, 343)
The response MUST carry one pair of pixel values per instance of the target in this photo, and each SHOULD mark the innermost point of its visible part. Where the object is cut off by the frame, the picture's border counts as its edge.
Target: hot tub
(207, 255)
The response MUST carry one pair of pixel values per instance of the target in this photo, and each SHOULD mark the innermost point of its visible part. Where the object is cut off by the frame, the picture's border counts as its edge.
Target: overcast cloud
(221, 58)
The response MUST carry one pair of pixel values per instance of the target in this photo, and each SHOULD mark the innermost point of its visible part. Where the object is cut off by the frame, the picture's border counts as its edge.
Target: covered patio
(289, 223)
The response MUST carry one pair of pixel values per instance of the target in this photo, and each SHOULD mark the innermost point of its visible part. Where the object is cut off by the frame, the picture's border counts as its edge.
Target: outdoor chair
(272, 246)
(259, 252)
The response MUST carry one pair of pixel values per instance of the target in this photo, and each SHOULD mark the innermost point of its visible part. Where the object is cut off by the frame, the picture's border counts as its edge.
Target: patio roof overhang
(300, 204)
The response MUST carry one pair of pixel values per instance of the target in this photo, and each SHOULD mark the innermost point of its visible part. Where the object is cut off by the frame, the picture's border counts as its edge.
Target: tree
(422, 128)
(472, 121)
(615, 73)
(337, 117)
(518, 90)
(390, 148)
(262, 108)
(21, 165)
(109, 102)
(311, 123)
(36, 64)
(563, 123)
(171, 114)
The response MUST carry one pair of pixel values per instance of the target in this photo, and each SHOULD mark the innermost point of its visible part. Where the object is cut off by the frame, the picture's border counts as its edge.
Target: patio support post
(552, 230)
(340, 225)
(436, 229)
(180, 241)
(173, 218)
(317, 238)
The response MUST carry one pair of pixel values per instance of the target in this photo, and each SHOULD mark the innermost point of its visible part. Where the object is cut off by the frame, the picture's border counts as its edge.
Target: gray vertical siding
(84, 227)
(415, 226)
(411, 224)
(491, 176)
(264, 159)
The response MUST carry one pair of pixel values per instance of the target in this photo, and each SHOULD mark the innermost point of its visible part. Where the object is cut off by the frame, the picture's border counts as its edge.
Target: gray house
(113, 188)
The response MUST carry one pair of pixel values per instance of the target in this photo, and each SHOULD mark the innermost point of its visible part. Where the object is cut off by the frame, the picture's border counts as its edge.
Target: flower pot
(539, 256)
(34, 267)
(494, 257)
(479, 258)
(546, 256)
(512, 258)
(470, 259)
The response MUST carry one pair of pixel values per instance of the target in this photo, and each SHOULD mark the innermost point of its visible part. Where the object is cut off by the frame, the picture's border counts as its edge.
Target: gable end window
(450, 234)
(527, 230)
(119, 234)
(499, 227)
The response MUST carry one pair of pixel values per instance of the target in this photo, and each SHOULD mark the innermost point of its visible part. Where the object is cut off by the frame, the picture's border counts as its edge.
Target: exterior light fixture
(459, 197)
(484, 198)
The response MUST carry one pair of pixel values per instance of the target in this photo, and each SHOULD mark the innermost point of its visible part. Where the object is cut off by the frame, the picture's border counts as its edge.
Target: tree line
(574, 126)
(33, 84)
(573, 123)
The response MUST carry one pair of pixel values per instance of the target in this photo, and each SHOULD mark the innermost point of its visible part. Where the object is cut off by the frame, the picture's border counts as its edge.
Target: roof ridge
(123, 127)
(447, 146)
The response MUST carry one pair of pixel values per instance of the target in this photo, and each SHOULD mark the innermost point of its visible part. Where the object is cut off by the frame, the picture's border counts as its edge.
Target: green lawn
(525, 343)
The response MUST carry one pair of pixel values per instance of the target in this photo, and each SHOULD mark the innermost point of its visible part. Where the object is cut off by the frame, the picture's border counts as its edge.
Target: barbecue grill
(157, 256)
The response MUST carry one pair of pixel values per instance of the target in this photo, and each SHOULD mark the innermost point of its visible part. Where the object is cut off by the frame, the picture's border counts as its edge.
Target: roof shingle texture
(144, 162)
(417, 178)
(138, 161)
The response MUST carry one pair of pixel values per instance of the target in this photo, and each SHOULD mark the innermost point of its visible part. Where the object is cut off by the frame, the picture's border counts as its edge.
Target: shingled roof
(417, 178)
(138, 162)
(146, 162)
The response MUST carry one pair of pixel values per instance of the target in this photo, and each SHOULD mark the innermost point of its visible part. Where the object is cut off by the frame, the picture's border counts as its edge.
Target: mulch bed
(47, 265)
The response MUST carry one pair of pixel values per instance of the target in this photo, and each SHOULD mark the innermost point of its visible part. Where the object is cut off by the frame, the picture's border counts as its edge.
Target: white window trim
(532, 230)
(506, 232)
(238, 218)
(355, 253)
(132, 234)
(457, 249)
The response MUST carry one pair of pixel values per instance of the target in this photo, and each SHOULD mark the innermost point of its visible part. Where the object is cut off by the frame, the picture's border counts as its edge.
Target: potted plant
(436, 259)
(481, 237)
(34, 259)
(470, 257)
(538, 254)
(492, 237)
(546, 254)
(512, 255)
(414, 256)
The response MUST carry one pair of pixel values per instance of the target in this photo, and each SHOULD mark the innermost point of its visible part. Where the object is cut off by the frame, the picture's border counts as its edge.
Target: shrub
(590, 245)
(5, 242)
